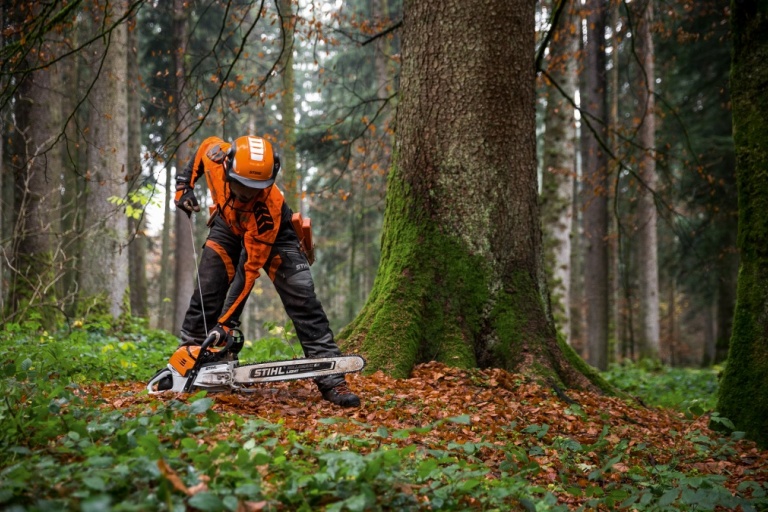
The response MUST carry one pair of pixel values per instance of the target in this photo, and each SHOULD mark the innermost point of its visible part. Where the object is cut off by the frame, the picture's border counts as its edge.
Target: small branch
(383, 33)
(552, 26)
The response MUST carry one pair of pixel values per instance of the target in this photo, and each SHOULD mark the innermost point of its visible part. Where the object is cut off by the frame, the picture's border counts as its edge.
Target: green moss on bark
(743, 396)
(434, 300)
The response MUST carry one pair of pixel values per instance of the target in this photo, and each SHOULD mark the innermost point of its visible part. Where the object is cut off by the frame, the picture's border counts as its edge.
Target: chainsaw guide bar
(230, 375)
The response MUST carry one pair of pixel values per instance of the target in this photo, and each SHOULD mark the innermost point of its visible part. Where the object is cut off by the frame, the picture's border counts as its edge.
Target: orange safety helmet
(253, 162)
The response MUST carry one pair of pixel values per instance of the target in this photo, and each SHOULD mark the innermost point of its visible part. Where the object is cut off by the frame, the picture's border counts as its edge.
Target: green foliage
(689, 390)
(63, 448)
(137, 200)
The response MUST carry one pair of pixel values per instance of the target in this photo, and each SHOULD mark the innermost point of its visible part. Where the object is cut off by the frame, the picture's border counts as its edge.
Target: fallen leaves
(492, 410)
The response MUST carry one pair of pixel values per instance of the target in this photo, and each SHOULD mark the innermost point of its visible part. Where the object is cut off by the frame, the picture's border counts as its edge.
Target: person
(251, 229)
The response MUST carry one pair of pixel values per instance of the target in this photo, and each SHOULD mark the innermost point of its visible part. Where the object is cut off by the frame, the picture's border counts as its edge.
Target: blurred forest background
(101, 105)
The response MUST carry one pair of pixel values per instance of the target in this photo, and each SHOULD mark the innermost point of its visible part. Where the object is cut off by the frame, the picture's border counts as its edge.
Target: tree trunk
(743, 394)
(728, 270)
(184, 283)
(595, 198)
(105, 256)
(617, 320)
(37, 191)
(461, 278)
(75, 75)
(137, 250)
(164, 309)
(287, 105)
(559, 166)
(647, 258)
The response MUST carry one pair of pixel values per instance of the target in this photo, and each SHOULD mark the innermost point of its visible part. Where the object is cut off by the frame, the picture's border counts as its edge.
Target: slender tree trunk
(137, 250)
(595, 198)
(647, 260)
(164, 309)
(617, 307)
(559, 166)
(75, 75)
(287, 106)
(105, 255)
(743, 394)
(184, 283)
(726, 296)
(461, 278)
(37, 190)
(5, 210)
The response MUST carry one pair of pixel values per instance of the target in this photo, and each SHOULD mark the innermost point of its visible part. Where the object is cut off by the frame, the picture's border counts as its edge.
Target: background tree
(744, 387)
(647, 249)
(559, 163)
(595, 187)
(460, 279)
(104, 273)
(184, 252)
(37, 182)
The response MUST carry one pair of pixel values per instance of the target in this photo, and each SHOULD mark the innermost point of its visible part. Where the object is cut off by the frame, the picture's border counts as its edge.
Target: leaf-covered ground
(452, 439)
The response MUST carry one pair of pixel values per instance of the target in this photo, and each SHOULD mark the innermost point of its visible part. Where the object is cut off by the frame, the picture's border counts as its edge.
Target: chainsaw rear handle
(201, 356)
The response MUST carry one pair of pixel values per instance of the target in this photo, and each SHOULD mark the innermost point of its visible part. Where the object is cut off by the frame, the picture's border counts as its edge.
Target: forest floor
(464, 440)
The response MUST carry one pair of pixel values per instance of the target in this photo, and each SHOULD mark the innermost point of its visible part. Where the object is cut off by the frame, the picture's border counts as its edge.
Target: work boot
(341, 395)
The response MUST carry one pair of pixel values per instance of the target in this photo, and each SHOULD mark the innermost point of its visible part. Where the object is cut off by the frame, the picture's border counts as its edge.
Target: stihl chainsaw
(217, 369)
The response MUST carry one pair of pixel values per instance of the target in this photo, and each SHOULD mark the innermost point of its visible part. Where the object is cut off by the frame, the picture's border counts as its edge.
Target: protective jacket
(257, 221)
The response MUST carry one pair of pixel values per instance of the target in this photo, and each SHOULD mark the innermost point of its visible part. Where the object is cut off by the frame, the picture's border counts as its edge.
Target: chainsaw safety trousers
(222, 279)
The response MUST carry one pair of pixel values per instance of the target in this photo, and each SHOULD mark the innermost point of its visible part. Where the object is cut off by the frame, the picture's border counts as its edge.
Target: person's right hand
(221, 334)
(185, 198)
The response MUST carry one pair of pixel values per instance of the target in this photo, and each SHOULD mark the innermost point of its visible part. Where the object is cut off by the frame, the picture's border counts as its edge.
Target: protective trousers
(222, 277)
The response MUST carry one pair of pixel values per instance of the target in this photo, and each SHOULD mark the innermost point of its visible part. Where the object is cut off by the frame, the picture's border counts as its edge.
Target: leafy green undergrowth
(690, 390)
(65, 446)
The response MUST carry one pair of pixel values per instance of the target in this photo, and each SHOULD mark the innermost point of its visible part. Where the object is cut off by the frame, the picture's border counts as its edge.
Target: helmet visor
(259, 184)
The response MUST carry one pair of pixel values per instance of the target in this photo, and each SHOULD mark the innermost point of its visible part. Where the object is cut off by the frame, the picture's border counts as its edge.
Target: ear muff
(276, 166)
(230, 160)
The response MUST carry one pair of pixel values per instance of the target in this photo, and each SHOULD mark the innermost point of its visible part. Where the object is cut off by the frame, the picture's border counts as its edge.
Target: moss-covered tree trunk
(460, 279)
(744, 387)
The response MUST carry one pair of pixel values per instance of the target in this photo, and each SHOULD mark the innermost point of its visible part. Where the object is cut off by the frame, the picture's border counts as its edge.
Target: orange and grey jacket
(257, 221)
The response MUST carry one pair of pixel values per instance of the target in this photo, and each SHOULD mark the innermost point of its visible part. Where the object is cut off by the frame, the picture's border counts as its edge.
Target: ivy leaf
(461, 420)
(207, 502)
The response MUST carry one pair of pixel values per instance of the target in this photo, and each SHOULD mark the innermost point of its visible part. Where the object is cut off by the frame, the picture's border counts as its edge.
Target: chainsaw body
(199, 367)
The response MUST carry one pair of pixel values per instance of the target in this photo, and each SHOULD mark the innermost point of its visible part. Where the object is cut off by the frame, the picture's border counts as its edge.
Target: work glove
(185, 197)
(221, 333)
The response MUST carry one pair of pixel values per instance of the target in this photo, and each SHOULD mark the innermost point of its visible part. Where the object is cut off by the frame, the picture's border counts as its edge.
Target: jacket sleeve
(212, 148)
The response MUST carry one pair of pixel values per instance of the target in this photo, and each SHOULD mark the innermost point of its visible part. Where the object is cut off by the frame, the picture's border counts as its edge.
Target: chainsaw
(206, 367)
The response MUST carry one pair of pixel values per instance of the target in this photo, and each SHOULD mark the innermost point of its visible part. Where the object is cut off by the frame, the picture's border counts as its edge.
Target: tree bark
(743, 396)
(559, 166)
(137, 250)
(287, 105)
(461, 278)
(647, 258)
(595, 198)
(184, 282)
(37, 190)
(105, 256)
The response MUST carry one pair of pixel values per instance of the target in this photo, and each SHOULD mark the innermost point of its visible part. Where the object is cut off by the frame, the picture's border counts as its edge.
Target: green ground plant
(61, 449)
(689, 390)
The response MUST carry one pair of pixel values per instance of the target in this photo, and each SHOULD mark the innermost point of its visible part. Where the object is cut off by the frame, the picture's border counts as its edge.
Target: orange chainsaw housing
(184, 358)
